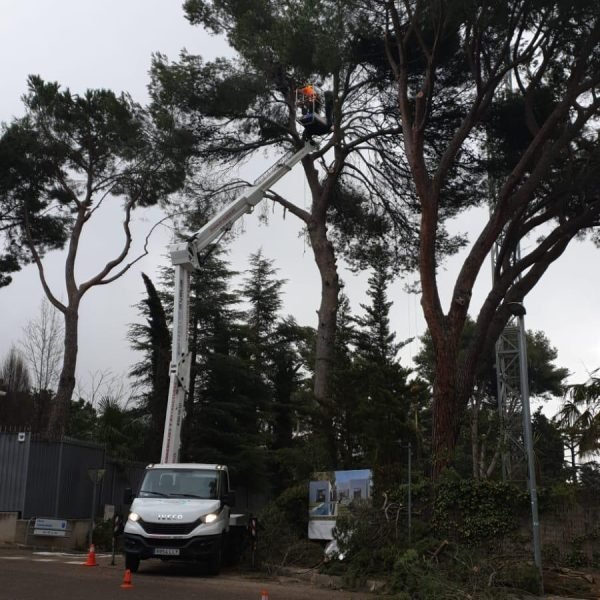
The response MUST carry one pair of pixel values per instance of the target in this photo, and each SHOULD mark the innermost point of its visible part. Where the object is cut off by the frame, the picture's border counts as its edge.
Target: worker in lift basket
(310, 102)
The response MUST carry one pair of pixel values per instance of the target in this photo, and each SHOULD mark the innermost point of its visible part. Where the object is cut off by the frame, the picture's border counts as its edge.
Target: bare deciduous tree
(42, 346)
(105, 384)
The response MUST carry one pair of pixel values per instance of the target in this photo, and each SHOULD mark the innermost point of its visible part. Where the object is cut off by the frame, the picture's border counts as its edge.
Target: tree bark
(452, 389)
(324, 254)
(66, 383)
(326, 329)
(446, 412)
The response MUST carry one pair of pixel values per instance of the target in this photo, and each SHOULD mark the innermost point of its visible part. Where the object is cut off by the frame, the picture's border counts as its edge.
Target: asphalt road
(26, 575)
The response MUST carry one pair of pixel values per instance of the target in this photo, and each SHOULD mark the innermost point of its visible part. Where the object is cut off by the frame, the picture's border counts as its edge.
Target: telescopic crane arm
(185, 258)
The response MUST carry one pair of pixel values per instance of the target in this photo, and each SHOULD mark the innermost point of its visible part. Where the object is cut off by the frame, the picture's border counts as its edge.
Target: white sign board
(320, 530)
(50, 527)
(333, 493)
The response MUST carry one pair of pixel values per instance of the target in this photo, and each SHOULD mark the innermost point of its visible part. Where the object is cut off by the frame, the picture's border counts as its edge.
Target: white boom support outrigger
(184, 257)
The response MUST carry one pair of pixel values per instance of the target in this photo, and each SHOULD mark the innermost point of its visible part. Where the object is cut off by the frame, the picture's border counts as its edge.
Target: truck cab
(182, 512)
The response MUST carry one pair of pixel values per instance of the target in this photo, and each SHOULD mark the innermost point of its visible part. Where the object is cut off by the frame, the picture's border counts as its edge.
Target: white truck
(182, 510)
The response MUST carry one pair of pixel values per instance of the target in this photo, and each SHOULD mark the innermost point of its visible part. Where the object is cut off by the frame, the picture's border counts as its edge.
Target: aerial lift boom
(185, 257)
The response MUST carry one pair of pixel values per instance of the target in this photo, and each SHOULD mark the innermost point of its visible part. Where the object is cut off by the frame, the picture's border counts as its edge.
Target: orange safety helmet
(309, 92)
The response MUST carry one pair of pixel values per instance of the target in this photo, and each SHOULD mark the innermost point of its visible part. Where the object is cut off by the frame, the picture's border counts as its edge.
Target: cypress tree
(153, 340)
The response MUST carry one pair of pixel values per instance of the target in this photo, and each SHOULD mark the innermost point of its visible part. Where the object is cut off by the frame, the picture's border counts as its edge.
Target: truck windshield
(180, 483)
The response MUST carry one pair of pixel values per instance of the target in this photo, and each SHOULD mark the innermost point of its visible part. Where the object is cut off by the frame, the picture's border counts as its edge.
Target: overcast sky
(89, 44)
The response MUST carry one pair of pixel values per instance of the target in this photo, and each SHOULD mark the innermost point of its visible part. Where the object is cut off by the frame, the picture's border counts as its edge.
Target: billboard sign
(330, 494)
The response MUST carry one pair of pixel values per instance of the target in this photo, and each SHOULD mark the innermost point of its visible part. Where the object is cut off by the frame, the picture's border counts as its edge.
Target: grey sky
(89, 44)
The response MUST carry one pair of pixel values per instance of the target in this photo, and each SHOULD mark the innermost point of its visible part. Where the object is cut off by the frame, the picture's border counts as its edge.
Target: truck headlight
(133, 517)
(210, 518)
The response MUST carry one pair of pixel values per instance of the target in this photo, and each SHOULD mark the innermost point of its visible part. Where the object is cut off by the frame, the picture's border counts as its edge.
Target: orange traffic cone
(91, 559)
(127, 580)
(264, 595)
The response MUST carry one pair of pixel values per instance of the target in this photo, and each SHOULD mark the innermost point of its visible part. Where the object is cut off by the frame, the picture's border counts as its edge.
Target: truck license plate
(166, 551)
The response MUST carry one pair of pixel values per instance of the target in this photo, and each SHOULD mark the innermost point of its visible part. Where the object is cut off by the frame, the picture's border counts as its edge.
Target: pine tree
(266, 343)
(385, 398)
(236, 106)
(262, 291)
(287, 416)
(452, 63)
(71, 155)
(222, 422)
(339, 423)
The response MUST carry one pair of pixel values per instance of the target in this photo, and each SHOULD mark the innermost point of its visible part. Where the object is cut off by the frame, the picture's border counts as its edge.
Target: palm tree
(579, 419)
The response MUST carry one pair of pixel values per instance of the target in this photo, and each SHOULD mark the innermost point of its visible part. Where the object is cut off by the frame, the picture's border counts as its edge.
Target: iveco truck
(182, 512)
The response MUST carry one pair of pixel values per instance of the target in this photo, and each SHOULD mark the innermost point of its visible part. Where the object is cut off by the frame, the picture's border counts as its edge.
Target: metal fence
(40, 478)
(14, 457)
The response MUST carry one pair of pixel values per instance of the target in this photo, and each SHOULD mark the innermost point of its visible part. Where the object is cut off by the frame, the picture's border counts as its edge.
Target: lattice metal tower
(510, 397)
(514, 410)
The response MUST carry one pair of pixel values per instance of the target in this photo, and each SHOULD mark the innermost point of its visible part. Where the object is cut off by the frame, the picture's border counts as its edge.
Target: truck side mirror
(128, 496)
(229, 498)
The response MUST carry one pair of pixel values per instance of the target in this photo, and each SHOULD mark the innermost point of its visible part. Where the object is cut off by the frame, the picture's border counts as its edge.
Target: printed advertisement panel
(330, 494)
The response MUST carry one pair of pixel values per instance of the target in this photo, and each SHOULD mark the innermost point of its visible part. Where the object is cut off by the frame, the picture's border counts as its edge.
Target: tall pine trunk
(445, 422)
(326, 332)
(449, 402)
(66, 384)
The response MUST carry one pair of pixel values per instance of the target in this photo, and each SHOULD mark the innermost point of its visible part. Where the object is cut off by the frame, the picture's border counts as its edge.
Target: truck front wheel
(132, 562)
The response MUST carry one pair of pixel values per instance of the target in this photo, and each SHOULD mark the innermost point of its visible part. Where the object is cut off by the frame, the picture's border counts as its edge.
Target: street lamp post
(96, 476)
(519, 311)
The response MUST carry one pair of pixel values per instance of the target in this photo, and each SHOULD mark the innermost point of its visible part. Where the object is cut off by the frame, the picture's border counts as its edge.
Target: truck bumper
(196, 548)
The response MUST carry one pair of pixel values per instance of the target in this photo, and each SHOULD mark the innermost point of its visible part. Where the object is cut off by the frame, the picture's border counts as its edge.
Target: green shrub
(103, 533)
(293, 504)
(283, 530)
(576, 558)
(462, 565)
(476, 511)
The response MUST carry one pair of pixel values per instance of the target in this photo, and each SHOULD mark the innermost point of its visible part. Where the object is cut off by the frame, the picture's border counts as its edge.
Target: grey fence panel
(14, 456)
(76, 486)
(118, 477)
(58, 483)
(42, 480)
